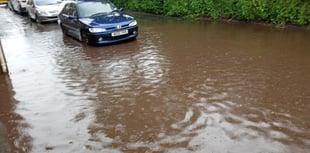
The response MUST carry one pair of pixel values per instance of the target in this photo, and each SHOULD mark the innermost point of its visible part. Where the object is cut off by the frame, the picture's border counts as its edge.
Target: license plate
(119, 33)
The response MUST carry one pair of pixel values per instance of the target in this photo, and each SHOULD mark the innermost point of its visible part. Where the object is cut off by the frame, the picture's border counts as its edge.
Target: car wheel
(19, 10)
(10, 6)
(64, 31)
(14, 10)
(37, 19)
(29, 17)
(84, 37)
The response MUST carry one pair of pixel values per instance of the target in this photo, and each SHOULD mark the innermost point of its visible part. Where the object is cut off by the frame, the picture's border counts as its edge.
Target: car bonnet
(107, 21)
(48, 8)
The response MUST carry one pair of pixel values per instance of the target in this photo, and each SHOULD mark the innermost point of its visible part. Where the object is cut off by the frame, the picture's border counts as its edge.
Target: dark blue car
(96, 22)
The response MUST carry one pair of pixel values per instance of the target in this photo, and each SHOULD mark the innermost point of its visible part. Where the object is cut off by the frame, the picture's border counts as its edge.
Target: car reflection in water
(12, 124)
(110, 78)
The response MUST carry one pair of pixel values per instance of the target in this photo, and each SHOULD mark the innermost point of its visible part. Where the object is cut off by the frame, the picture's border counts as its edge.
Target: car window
(67, 8)
(72, 10)
(46, 2)
(29, 2)
(91, 8)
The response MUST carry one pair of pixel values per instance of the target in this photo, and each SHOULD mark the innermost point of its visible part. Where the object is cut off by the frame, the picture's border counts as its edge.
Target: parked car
(18, 6)
(97, 22)
(43, 10)
(3, 1)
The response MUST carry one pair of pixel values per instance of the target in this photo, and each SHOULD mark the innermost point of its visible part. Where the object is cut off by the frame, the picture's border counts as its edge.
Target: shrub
(272, 11)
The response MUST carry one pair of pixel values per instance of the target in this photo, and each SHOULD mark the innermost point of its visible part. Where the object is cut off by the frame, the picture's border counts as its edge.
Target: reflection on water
(180, 87)
(13, 137)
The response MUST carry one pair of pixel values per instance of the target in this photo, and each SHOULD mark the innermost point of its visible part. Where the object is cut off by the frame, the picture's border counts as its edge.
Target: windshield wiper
(98, 14)
(51, 3)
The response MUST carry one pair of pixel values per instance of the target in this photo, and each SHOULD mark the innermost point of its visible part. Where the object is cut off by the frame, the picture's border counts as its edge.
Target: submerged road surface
(181, 87)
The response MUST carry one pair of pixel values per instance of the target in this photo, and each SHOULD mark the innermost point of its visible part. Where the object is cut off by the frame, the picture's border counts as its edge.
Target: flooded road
(182, 86)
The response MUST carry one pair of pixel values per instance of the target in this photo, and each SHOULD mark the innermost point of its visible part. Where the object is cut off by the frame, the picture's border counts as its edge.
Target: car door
(69, 20)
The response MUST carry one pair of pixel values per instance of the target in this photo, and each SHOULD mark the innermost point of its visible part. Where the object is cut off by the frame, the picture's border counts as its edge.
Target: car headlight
(133, 23)
(42, 12)
(95, 30)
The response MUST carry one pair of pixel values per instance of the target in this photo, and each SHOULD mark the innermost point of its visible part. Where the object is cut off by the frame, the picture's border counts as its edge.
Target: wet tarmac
(181, 87)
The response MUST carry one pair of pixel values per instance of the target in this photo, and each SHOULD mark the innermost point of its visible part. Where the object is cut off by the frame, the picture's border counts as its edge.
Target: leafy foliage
(271, 11)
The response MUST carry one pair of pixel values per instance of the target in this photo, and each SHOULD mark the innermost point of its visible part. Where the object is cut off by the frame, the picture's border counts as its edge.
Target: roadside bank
(3, 68)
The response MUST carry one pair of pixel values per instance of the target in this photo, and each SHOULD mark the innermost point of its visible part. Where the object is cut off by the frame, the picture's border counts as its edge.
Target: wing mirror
(121, 11)
(71, 17)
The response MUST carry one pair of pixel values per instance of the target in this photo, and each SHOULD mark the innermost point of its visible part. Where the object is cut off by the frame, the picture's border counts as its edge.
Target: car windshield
(47, 2)
(94, 8)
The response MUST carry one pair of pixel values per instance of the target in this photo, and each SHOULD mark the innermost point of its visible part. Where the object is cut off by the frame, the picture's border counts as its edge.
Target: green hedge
(271, 11)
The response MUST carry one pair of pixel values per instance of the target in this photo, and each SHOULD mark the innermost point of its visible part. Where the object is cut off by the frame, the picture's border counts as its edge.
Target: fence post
(4, 66)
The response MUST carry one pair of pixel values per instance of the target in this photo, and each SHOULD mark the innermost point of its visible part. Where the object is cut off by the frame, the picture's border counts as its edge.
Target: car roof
(81, 1)
(66, 2)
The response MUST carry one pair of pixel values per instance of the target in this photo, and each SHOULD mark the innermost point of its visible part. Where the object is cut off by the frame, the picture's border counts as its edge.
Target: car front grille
(53, 17)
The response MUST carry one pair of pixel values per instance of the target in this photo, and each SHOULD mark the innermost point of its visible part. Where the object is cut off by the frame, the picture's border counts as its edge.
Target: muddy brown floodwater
(182, 86)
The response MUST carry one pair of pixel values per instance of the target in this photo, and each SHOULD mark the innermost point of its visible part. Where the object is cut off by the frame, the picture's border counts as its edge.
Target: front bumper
(47, 18)
(22, 10)
(106, 37)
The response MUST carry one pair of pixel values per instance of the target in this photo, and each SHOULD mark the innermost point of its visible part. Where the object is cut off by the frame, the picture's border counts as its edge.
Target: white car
(43, 10)
(18, 6)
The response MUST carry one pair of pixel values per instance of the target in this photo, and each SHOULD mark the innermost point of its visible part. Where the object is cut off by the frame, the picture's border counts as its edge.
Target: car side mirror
(71, 17)
(121, 11)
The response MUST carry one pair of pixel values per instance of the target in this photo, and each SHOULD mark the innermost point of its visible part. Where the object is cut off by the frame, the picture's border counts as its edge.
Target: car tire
(15, 11)
(10, 6)
(29, 17)
(84, 38)
(19, 10)
(37, 19)
(64, 31)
